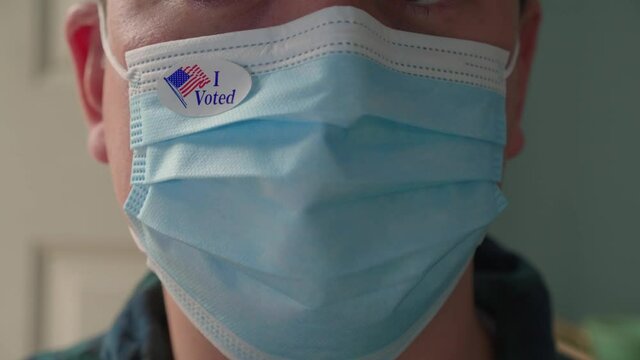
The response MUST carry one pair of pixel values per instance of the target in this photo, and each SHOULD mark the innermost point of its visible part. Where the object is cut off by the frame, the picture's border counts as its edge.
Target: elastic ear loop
(106, 47)
(513, 61)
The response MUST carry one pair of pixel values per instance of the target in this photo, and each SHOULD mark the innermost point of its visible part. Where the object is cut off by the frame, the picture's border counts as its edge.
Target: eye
(420, 7)
(423, 2)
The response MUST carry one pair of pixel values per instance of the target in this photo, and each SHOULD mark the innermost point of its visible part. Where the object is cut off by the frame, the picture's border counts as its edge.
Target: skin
(456, 332)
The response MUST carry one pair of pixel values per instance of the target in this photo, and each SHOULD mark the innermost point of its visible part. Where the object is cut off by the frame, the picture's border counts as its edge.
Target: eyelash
(423, 2)
(421, 7)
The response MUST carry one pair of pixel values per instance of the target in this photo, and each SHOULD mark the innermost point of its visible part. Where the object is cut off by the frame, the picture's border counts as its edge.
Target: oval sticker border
(199, 87)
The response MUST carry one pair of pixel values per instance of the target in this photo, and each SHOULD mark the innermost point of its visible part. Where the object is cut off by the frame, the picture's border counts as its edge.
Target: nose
(281, 11)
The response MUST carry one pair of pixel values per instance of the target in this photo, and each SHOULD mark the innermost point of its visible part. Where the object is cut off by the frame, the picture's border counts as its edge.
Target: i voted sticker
(204, 87)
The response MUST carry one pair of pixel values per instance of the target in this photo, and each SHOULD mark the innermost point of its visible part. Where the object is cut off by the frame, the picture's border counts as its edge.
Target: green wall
(575, 190)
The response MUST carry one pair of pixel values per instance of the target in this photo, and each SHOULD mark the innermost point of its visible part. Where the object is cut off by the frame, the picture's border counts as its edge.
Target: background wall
(64, 250)
(66, 260)
(574, 192)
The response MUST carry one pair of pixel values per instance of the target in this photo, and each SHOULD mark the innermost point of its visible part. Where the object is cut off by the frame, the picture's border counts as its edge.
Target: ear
(530, 20)
(82, 30)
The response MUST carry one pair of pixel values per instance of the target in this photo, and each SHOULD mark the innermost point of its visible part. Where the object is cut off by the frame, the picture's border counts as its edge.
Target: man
(498, 308)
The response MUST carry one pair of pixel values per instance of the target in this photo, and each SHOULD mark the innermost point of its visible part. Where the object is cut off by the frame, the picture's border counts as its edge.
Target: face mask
(314, 190)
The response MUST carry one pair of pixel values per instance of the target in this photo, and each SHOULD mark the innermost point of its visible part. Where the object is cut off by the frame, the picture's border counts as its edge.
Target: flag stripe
(198, 79)
(190, 86)
(199, 82)
(185, 80)
(195, 74)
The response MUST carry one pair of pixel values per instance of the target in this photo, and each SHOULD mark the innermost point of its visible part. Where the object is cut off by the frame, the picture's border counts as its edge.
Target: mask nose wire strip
(106, 47)
(513, 61)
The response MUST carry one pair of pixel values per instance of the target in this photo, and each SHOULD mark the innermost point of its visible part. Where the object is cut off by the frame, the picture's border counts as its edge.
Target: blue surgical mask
(314, 190)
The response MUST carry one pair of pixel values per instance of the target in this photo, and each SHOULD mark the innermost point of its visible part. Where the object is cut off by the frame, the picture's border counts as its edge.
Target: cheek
(116, 120)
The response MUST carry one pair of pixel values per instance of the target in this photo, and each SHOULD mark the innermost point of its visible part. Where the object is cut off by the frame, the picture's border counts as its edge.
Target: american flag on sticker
(186, 80)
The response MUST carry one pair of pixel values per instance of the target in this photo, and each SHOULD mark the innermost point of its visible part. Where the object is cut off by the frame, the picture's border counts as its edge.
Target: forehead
(136, 23)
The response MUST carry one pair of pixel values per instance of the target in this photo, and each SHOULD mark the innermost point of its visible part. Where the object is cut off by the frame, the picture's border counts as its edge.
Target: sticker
(204, 87)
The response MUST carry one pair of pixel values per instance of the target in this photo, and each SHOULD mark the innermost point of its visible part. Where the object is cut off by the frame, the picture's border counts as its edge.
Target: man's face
(136, 23)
